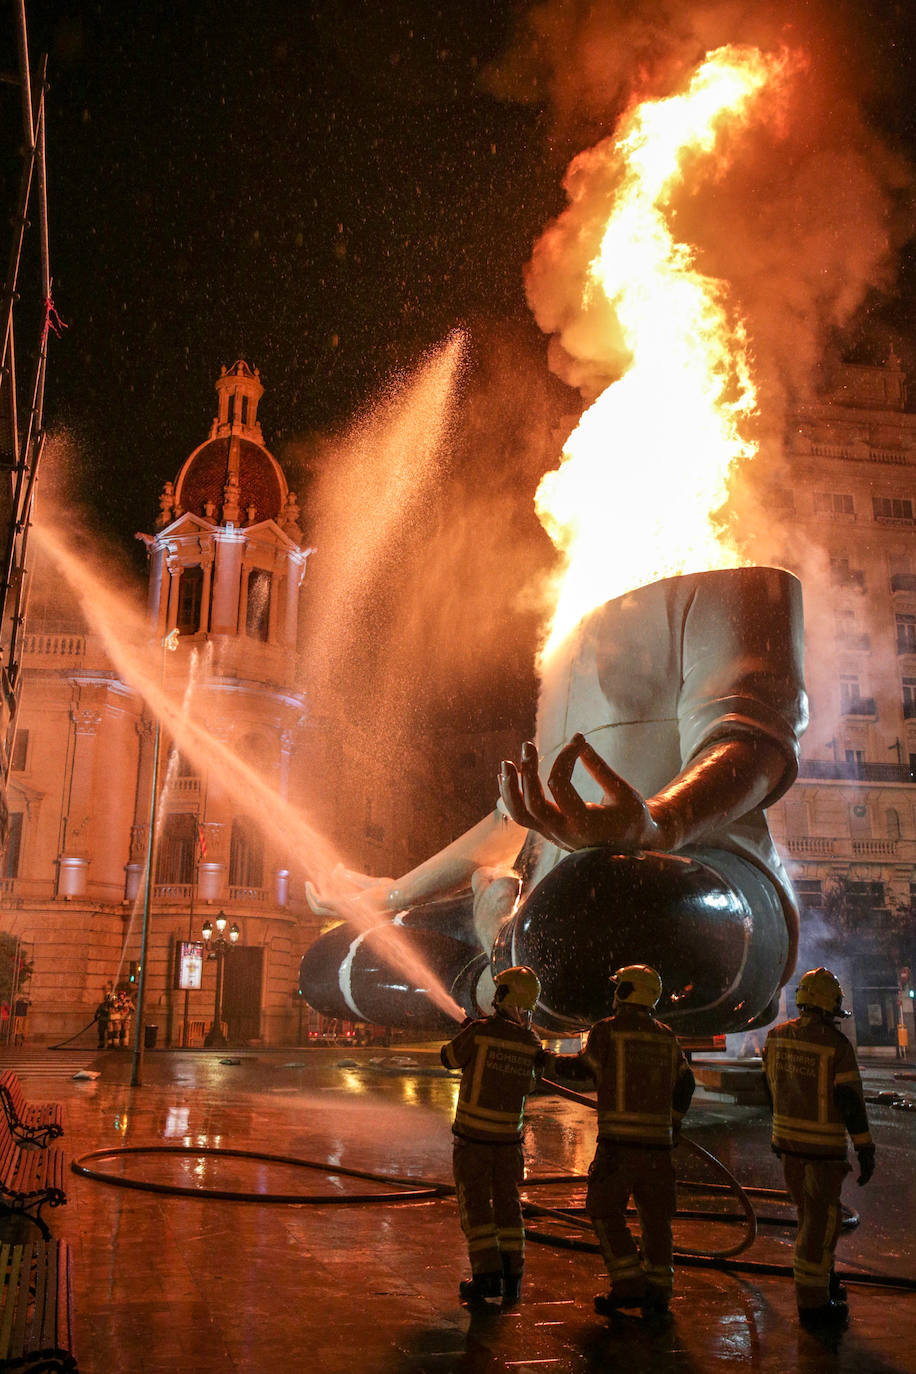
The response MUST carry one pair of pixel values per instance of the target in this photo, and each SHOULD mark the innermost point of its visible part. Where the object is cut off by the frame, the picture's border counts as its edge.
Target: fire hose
(423, 1190)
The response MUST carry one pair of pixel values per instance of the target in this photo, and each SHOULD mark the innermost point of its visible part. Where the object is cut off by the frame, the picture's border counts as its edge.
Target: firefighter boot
(837, 1290)
(512, 1284)
(830, 1316)
(474, 1292)
(625, 1293)
(656, 1302)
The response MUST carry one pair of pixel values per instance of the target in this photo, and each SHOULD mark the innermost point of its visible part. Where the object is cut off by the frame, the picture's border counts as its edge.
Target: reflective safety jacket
(644, 1082)
(499, 1061)
(815, 1089)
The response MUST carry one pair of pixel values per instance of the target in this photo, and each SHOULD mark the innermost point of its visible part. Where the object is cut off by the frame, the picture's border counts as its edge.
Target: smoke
(803, 222)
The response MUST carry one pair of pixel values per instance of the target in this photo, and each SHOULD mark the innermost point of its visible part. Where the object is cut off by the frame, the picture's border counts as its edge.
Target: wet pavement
(199, 1284)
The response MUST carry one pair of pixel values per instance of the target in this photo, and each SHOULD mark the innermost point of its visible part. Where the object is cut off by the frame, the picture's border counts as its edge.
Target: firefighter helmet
(821, 989)
(637, 985)
(517, 988)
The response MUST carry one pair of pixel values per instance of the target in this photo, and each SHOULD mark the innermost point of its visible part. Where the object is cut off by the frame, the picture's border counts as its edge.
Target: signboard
(189, 965)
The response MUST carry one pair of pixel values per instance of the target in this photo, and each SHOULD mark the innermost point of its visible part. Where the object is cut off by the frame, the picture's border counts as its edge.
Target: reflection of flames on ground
(648, 464)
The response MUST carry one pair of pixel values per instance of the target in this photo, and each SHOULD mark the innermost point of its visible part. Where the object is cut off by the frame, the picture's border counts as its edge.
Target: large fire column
(29, 313)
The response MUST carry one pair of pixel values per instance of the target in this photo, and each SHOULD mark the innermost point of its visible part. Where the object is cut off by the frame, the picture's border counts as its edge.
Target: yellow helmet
(637, 985)
(821, 989)
(517, 988)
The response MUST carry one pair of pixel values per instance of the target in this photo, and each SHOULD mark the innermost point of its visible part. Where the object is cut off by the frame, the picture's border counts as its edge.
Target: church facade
(226, 569)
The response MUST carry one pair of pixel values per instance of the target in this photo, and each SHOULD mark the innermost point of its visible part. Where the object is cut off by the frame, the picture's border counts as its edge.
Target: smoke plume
(804, 220)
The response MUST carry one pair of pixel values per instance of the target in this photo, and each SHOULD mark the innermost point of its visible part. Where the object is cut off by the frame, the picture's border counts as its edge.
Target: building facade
(848, 826)
(226, 566)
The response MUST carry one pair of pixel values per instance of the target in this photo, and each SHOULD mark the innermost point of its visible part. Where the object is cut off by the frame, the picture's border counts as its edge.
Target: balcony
(809, 846)
(861, 707)
(249, 896)
(848, 577)
(903, 582)
(173, 892)
(874, 849)
(845, 640)
(827, 770)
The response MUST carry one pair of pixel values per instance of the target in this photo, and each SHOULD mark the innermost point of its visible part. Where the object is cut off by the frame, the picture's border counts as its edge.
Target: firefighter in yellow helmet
(500, 1058)
(644, 1088)
(816, 1094)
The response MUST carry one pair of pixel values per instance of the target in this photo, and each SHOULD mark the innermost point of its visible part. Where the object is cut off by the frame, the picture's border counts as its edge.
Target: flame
(648, 464)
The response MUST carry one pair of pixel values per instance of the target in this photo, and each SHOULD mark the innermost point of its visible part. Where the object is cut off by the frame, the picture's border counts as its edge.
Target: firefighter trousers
(618, 1172)
(814, 1186)
(487, 1179)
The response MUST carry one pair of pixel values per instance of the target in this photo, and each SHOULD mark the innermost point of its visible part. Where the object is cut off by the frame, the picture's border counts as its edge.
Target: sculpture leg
(709, 921)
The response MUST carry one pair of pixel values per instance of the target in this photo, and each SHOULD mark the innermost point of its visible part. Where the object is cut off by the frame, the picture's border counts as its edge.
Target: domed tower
(226, 568)
(227, 558)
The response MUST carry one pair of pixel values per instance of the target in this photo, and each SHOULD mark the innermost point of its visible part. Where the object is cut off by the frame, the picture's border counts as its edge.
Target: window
(906, 634)
(257, 612)
(246, 854)
(833, 503)
(855, 755)
(892, 508)
(244, 410)
(20, 751)
(892, 823)
(865, 896)
(177, 849)
(13, 846)
(810, 892)
(850, 696)
(909, 701)
(190, 591)
(180, 766)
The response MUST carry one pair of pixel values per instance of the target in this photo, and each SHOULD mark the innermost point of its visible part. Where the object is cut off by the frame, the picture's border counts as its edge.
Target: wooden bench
(36, 1307)
(30, 1178)
(32, 1123)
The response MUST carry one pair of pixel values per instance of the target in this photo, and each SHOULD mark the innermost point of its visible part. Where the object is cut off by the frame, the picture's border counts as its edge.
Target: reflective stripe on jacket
(806, 1061)
(499, 1062)
(644, 1083)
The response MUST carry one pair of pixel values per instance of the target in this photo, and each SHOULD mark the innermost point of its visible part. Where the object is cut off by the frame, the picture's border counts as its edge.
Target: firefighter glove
(866, 1157)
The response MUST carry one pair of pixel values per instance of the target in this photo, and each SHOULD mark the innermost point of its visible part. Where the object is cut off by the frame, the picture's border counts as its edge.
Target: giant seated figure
(632, 831)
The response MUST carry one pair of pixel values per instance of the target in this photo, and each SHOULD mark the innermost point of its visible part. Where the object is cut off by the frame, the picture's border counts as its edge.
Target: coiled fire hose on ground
(423, 1190)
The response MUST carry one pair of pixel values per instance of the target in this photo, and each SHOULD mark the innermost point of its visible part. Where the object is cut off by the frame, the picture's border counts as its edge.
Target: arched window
(177, 845)
(257, 613)
(246, 854)
(892, 822)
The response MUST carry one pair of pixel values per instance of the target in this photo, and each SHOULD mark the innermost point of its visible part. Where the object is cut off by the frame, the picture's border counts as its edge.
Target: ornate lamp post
(220, 947)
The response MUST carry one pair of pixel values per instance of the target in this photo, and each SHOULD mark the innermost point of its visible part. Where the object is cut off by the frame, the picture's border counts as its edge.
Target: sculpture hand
(622, 819)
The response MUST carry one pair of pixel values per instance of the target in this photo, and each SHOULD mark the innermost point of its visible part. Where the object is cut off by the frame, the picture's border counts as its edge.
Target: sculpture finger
(510, 790)
(544, 811)
(560, 780)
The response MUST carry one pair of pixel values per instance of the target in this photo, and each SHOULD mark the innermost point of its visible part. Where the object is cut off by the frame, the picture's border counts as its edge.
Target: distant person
(20, 1012)
(644, 1088)
(500, 1058)
(101, 1018)
(816, 1094)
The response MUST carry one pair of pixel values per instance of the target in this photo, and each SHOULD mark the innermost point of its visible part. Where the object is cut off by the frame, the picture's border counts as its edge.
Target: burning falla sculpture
(633, 831)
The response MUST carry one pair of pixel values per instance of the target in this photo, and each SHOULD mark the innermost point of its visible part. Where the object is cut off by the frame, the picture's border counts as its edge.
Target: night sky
(328, 190)
(324, 189)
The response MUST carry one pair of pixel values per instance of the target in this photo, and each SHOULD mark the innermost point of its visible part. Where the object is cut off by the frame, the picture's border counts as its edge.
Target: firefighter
(644, 1088)
(816, 1095)
(500, 1058)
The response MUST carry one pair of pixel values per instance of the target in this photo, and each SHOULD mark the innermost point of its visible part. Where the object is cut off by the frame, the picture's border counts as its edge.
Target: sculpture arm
(492, 842)
(725, 780)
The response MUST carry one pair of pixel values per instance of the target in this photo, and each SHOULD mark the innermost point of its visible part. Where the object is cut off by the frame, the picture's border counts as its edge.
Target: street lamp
(221, 946)
(170, 644)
